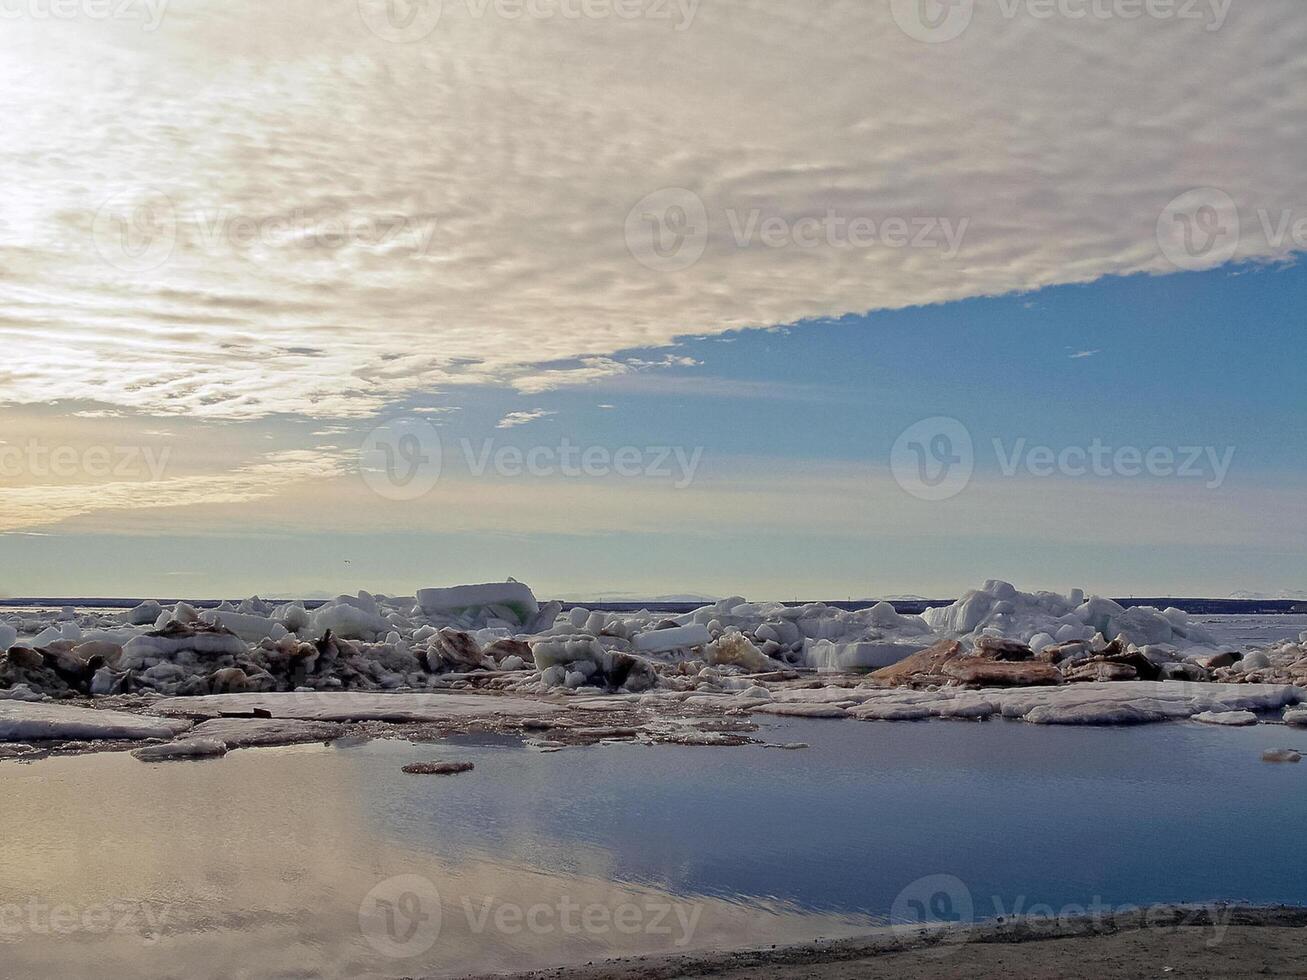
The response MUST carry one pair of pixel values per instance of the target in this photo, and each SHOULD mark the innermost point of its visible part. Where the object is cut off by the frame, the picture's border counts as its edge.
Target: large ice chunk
(827, 656)
(249, 628)
(512, 596)
(667, 640)
(997, 608)
(351, 618)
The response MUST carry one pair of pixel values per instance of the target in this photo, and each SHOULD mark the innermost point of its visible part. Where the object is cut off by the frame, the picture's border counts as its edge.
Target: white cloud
(43, 506)
(356, 220)
(1081, 354)
(513, 419)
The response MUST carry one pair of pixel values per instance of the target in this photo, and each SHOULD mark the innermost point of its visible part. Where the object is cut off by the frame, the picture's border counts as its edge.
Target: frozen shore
(492, 657)
(1213, 942)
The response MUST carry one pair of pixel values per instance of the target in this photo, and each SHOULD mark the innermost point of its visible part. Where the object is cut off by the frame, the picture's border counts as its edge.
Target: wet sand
(1218, 942)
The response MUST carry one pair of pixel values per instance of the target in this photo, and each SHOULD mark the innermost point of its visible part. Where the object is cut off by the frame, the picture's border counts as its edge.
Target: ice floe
(445, 654)
(186, 748)
(24, 721)
(1137, 702)
(356, 706)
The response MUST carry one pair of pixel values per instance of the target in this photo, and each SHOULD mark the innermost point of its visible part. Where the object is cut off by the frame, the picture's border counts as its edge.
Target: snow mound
(1041, 619)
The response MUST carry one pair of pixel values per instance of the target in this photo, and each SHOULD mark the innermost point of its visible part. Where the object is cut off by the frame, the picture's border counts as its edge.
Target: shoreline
(1210, 940)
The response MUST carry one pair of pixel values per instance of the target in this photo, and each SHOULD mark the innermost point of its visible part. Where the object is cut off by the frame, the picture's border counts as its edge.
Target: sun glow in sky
(327, 294)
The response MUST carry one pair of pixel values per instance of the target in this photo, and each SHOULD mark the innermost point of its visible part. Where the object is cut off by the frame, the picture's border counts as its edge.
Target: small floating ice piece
(241, 733)
(800, 710)
(978, 710)
(1296, 717)
(1232, 718)
(438, 768)
(189, 748)
(1092, 713)
(891, 712)
(1281, 755)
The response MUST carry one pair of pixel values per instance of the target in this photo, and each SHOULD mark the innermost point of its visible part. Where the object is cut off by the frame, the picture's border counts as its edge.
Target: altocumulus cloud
(346, 219)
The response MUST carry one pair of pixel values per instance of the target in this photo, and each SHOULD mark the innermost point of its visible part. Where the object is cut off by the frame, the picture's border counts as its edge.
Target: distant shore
(1214, 941)
(1194, 606)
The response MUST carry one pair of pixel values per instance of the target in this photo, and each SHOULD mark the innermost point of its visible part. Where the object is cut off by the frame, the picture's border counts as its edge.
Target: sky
(638, 299)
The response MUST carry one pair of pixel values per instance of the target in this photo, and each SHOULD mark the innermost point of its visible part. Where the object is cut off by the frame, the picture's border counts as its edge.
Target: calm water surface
(327, 861)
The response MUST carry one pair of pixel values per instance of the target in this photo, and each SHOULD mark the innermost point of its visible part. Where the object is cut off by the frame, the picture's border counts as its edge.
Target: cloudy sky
(633, 296)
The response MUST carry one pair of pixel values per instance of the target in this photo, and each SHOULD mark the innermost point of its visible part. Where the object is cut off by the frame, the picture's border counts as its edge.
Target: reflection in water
(286, 862)
(323, 861)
